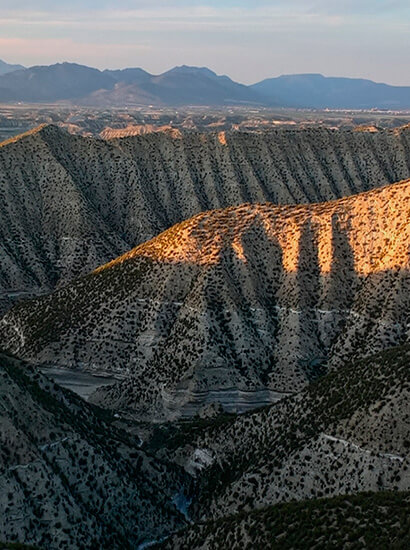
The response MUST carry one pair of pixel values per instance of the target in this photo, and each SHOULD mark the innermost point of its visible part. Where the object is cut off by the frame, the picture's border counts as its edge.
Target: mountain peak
(9, 68)
(187, 69)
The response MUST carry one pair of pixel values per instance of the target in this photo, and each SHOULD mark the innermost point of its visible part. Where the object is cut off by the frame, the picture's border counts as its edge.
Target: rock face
(69, 204)
(68, 479)
(348, 432)
(241, 305)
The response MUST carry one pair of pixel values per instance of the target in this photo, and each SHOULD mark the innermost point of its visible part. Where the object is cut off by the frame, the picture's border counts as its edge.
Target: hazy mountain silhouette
(69, 81)
(52, 83)
(7, 68)
(186, 85)
(179, 86)
(318, 91)
(129, 75)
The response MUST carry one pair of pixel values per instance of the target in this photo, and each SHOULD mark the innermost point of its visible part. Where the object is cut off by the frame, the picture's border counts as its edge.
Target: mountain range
(186, 85)
(316, 91)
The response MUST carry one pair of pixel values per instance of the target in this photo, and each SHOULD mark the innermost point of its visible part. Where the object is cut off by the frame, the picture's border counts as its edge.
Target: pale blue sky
(248, 40)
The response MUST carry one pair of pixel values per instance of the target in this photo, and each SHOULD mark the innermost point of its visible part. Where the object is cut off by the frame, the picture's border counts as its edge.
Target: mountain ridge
(250, 300)
(162, 248)
(372, 518)
(346, 432)
(8, 68)
(71, 479)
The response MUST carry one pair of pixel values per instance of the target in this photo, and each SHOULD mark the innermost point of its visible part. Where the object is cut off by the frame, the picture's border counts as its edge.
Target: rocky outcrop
(255, 300)
(69, 204)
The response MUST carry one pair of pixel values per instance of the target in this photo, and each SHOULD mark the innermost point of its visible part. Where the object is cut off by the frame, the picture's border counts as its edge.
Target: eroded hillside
(241, 306)
(68, 478)
(375, 520)
(346, 433)
(69, 204)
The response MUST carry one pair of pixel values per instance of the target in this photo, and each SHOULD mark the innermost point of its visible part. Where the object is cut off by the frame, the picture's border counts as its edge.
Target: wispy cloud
(55, 49)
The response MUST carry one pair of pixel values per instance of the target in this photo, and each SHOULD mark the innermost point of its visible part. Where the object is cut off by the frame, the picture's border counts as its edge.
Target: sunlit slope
(238, 305)
(69, 203)
(375, 226)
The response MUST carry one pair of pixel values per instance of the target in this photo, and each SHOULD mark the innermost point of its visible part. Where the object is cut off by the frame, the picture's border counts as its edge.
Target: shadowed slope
(68, 478)
(238, 305)
(376, 520)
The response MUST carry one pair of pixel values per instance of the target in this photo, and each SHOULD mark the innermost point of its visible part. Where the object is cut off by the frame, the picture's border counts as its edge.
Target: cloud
(201, 17)
(197, 14)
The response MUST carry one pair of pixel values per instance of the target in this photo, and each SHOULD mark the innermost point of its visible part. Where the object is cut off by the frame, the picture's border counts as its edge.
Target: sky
(248, 40)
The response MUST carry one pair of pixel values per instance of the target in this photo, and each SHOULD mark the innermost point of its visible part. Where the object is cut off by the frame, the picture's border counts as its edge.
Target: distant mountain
(129, 76)
(183, 85)
(240, 306)
(319, 92)
(7, 68)
(186, 85)
(179, 86)
(80, 84)
(52, 83)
